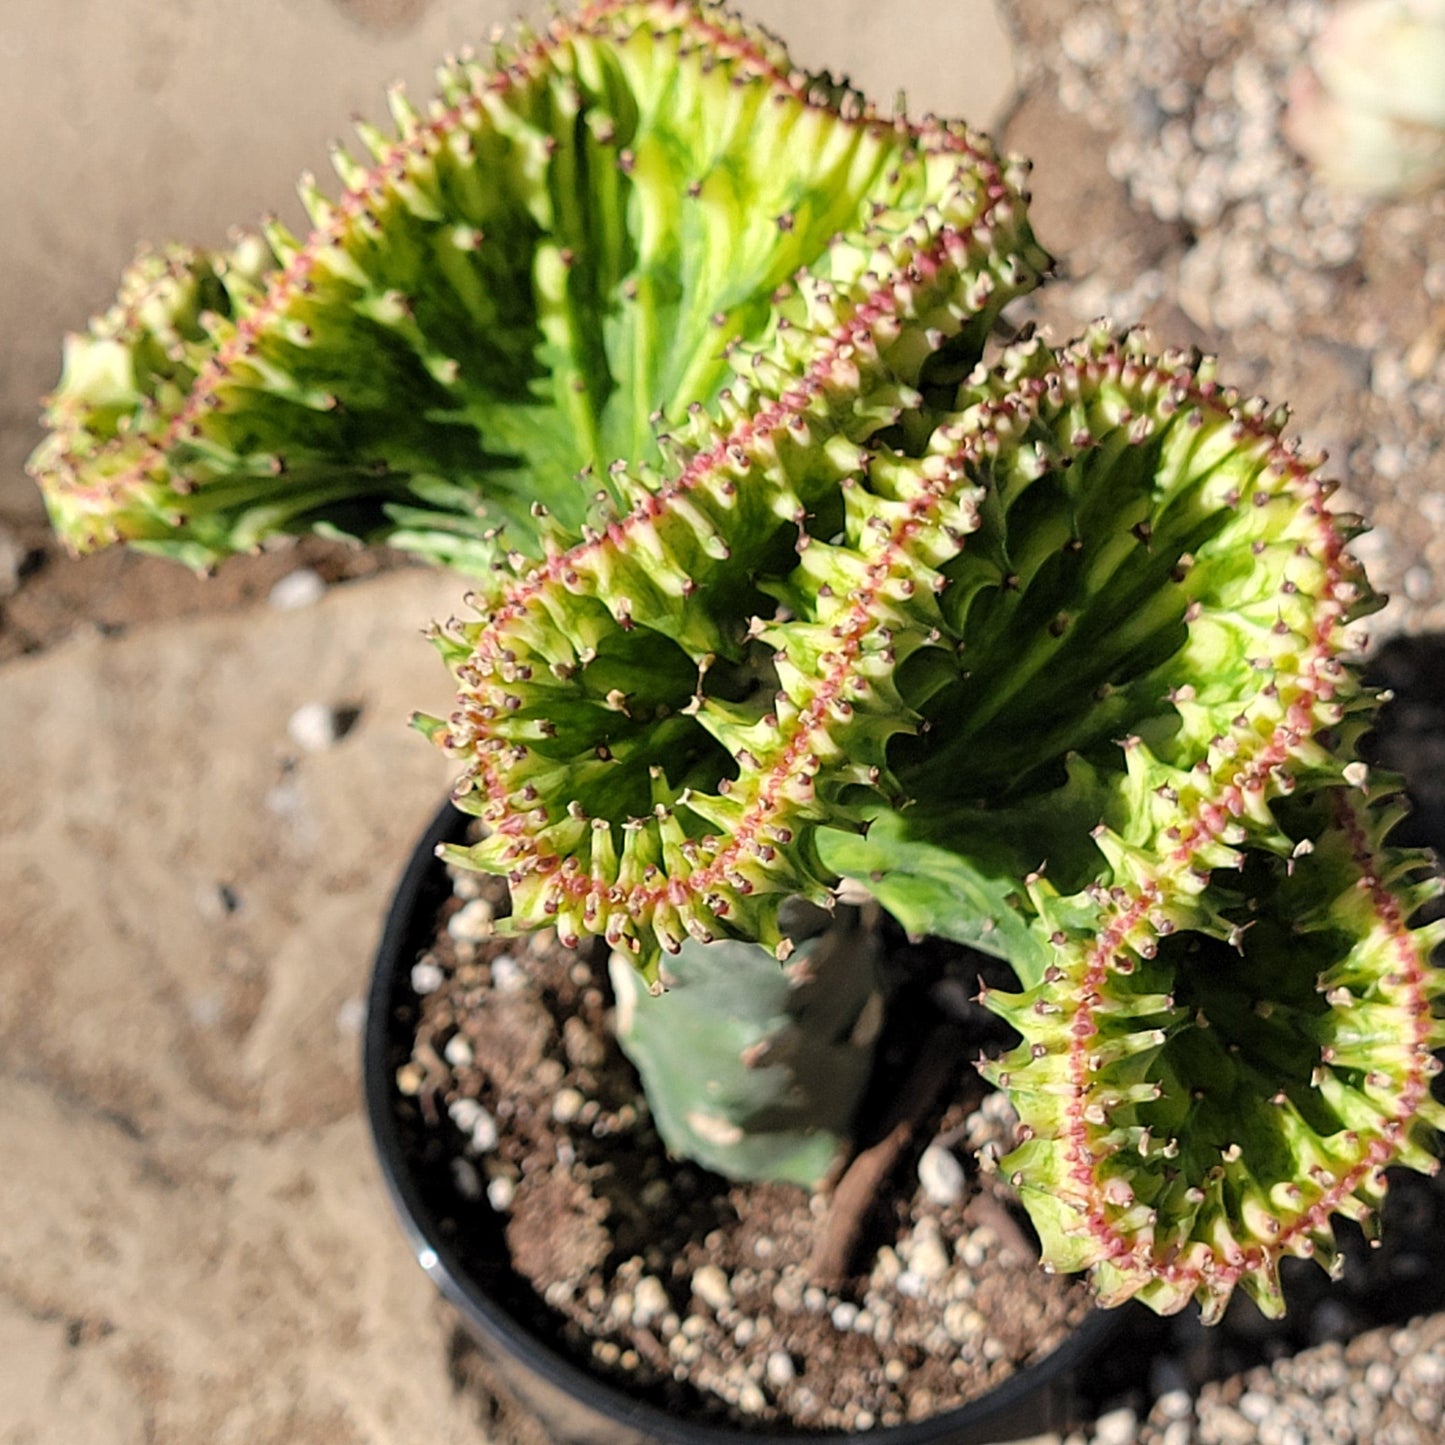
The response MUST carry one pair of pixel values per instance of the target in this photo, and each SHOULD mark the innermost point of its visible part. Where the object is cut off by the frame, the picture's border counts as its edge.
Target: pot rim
(1001, 1414)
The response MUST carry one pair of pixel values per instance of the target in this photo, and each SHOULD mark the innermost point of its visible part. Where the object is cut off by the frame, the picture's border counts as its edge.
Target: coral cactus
(784, 580)
(1099, 624)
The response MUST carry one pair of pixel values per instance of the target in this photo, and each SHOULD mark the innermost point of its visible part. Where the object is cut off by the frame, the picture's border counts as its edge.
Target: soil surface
(693, 1291)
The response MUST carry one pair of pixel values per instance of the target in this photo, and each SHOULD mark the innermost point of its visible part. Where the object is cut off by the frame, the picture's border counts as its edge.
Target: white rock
(1175, 1404)
(484, 1133)
(302, 588)
(886, 1266)
(314, 727)
(788, 1295)
(1255, 1406)
(463, 1113)
(567, 1104)
(458, 1052)
(1118, 1427)
(1419, 584)
(928, 1257)
(472, 923)
(471, 1118)
(468, 1182)
(751, 1400)
(655, 1193)
(466, 882)
(911, 1285)
(508, 976)
(426, 976)
(941, 1174)
(780, 1369)
(500, 1193)
(1425, 1369)
(971, 1251)
(649, 1300)
(712, 1287)
(1391, 461)
(963, 1322)
(1086, 40)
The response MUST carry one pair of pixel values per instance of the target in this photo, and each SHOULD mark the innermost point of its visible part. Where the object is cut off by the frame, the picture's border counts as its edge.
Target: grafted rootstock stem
(752, 1070)
(662, 338)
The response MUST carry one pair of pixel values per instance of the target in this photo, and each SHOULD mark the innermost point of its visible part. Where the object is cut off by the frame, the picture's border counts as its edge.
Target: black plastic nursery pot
(502, 1312)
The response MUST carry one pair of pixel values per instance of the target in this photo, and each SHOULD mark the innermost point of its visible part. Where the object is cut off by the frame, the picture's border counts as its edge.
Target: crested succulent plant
(784, 580)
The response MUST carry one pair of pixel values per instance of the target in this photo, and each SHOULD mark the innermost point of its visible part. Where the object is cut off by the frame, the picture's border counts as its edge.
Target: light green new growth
(530, 278)
(783, 580)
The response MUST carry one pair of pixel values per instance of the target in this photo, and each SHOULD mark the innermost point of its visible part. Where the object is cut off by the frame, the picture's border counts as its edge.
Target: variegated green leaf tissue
(785, 577)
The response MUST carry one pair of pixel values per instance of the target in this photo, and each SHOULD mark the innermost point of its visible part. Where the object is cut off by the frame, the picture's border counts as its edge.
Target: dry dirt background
(193, 1243)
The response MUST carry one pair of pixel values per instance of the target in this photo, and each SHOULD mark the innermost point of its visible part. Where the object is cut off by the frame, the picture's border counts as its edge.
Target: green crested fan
(518, 286)
(1219, 1061)
(1072, 684)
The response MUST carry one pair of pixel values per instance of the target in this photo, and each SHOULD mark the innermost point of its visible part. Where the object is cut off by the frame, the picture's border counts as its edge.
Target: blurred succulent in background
(785, 578)
(1368, 111)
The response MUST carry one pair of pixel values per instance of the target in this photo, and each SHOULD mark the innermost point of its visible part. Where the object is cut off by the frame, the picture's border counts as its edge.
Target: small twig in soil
(935, 1067)
(652, 1350)
(984, 1209)
(434, 1076)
